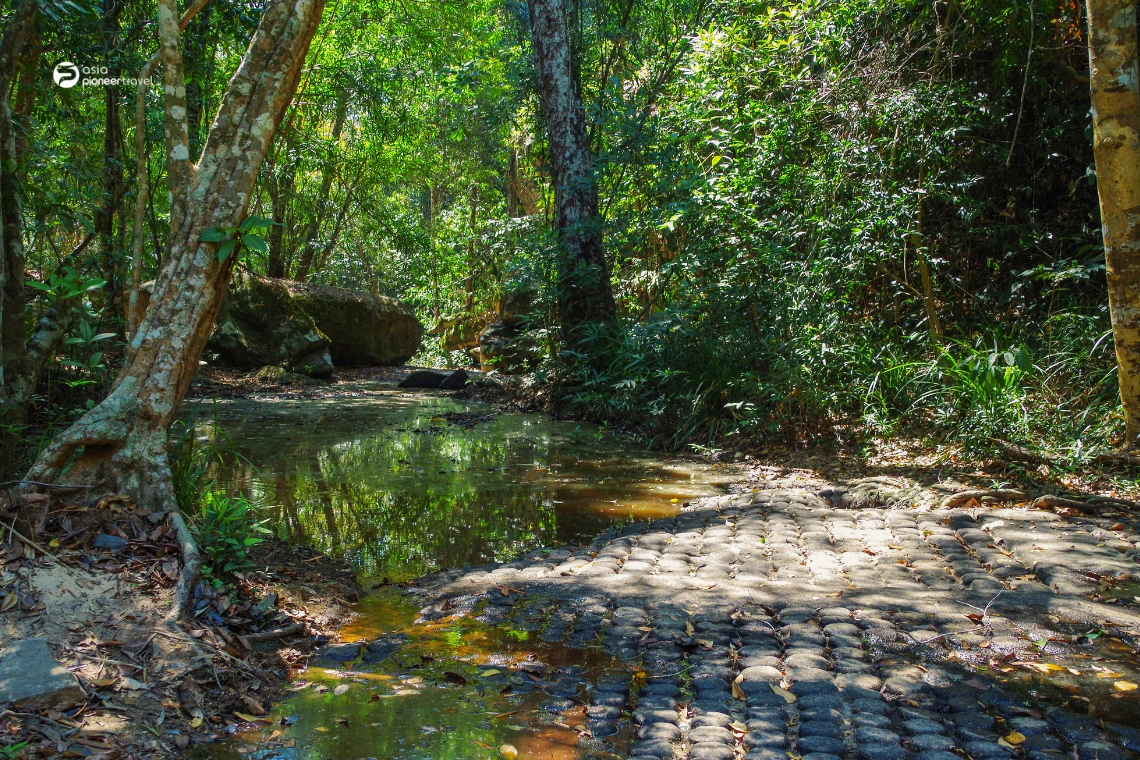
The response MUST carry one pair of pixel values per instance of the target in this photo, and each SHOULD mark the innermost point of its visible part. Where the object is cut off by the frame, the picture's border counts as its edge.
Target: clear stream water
(400, 484)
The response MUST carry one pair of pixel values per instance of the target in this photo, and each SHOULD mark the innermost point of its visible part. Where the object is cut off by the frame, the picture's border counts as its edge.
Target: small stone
(826, 744)
(932, 742)
(711, 734)
(1099, 751)
(766, 739)
(710, 752)
(917, 726)
(107, 541)
(870, 735)
(29, 675)
(937, 754)
(980, 750)
(821, 728)
(666, 731)
(880, 752)
(337, 653)
(641, 716)
(658, 748)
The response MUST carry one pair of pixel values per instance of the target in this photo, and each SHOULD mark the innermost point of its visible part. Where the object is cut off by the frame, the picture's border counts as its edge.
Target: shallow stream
(402, 484)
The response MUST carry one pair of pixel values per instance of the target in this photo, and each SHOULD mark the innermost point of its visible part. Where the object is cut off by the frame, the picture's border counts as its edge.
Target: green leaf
(225, 249)
(255, 223)
(254, 242)
(214, 235)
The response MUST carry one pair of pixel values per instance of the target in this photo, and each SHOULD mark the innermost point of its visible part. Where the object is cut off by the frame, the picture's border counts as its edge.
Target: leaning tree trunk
(1116, 147)
(584, 275)
(122, 442)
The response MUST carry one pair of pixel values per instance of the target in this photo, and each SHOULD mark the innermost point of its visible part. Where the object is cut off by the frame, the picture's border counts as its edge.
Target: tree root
(295, 629)
(191, 569)
(1053, 501)
(1000, 494)
(1017, 453)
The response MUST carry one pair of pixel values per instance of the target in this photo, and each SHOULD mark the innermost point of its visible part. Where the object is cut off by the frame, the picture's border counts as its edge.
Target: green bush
(226, 528)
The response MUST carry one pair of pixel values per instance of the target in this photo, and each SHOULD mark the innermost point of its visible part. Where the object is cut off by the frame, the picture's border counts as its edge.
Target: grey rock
(30, 676)
(107, 541)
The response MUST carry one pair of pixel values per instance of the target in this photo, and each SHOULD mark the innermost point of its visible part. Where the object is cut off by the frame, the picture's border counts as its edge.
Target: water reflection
(403, 484)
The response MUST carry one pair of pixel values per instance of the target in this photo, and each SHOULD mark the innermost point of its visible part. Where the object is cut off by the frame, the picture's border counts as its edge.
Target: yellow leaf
(1014, 737)
(1108, 674)
(508, 750)
(689, 629)
(787, 695)
(54, 543)
(489, 672)
(245, 716)
(1124, 686)
(196, 723)
(737, 692)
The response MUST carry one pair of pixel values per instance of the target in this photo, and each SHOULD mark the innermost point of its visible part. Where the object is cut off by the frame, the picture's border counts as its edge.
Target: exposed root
(1000, 494)
(1052, 501)
(1017, 453)
(191, 569)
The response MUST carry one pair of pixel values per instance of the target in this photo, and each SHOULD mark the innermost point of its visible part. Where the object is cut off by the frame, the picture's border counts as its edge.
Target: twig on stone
(944, 635)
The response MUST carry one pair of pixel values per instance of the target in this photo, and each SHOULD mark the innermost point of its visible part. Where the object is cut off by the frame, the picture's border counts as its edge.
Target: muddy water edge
(399, 485)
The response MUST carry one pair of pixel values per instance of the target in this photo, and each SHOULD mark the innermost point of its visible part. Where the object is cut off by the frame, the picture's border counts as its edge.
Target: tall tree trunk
(584, 274)
(308, 238)
(1116, 147)
(280, 188)
(123, 439)
(112, 163)
(201, 44)
(13, 353)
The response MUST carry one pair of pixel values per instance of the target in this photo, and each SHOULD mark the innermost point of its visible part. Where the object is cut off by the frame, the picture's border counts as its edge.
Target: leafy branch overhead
(231, 240)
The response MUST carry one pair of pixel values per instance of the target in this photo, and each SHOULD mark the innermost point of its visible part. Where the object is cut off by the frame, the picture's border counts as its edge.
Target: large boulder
(309, 328)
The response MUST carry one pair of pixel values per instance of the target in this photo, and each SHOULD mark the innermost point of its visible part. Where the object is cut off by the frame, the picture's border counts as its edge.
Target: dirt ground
(95, 581)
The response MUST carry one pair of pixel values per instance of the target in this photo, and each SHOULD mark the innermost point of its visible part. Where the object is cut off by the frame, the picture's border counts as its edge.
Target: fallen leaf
(1124, 686)
(737, 692)
(341, 689)
(246, 716)
(132, 684)
(254, 706)
(490, 672)
(738, 727)
(1014, 737)
(1108, 674)
(689, 629)
(508, 750)
(182, 741)
(787, 695)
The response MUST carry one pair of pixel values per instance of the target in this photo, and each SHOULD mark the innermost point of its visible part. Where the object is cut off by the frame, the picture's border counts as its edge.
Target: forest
(818, 221)
(785, 354)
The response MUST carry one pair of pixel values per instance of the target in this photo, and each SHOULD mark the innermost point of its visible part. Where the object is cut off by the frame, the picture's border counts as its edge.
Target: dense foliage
(790, 192)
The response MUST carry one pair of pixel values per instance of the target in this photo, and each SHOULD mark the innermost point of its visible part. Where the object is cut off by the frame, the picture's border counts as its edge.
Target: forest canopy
(819, 220)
